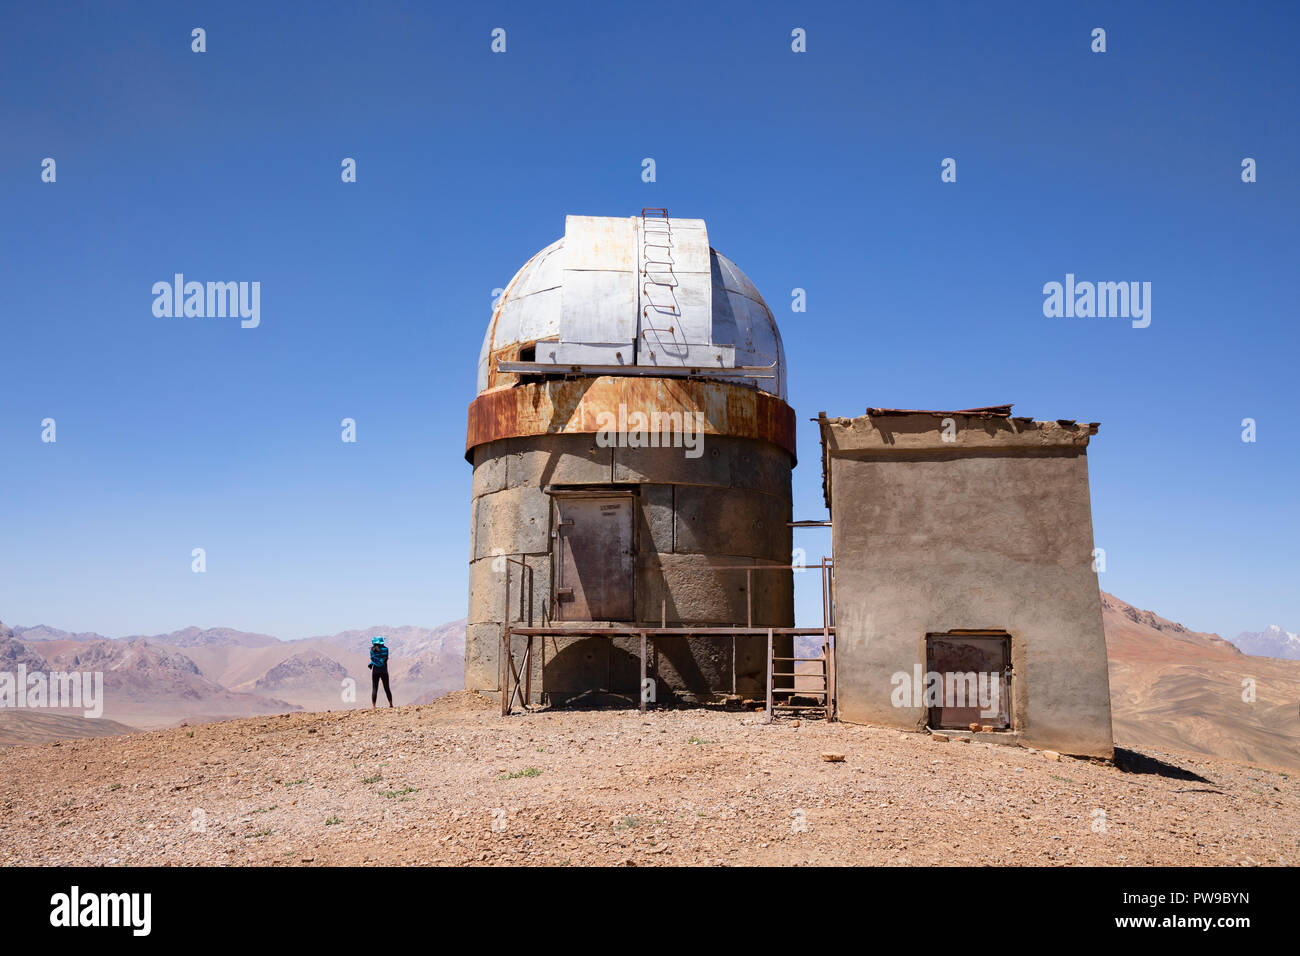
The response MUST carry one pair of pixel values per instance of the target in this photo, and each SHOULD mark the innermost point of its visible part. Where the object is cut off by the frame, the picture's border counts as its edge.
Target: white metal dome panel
(649, 292)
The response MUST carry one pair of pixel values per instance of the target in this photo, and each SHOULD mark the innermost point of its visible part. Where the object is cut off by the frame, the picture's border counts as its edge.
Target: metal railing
(516, 683)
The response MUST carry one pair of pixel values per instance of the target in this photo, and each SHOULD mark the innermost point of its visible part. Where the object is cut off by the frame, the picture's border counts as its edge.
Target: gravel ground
(454, 783)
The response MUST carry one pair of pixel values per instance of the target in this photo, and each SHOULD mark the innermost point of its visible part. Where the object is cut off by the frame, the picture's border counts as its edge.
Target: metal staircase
(818, 699)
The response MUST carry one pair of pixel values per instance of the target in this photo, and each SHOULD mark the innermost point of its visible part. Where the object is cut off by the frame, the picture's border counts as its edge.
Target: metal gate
(594, 554)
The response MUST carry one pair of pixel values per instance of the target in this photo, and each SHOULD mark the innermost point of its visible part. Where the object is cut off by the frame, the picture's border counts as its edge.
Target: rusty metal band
(584, 406)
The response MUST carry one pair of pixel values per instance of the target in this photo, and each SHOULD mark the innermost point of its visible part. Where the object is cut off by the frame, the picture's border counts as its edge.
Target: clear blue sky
(817, 170)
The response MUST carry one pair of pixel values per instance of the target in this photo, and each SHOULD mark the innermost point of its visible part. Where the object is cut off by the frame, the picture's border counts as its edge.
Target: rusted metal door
(976, 679)
(594, 558)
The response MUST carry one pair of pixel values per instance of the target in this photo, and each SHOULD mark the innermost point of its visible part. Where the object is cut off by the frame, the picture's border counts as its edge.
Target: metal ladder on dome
(656, 280)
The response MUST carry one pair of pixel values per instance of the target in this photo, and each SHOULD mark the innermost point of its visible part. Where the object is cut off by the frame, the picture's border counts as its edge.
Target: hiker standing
(379, 670)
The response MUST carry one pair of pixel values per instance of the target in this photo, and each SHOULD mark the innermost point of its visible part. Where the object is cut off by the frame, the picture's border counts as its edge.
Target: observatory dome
(647, 293)
(632, 452)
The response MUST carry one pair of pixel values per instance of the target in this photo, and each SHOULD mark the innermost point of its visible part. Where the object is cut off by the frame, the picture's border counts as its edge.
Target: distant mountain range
(185, 637)
(200, 674)
(1273, 641)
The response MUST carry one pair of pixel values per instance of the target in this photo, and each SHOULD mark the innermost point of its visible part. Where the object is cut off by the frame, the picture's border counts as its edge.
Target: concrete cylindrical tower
(631, 445)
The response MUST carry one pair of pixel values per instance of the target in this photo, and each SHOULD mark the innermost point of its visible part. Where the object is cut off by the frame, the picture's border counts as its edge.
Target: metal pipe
(528, 672)
(504, 676)
(770, 678)
(749, 599)
(643, 671)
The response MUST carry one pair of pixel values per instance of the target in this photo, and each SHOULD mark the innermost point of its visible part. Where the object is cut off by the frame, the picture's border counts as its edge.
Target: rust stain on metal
(575, 407)
(508, 353)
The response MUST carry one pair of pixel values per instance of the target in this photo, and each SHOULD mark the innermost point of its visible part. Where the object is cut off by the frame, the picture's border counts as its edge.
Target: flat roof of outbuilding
(905, 432)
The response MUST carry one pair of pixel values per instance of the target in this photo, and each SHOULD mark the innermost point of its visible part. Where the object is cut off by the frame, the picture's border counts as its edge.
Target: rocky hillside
(43, 633)
(14, 652)
(149, 685)
(212, 636)
(1172, 688)
(1119, 614)
(302, 670)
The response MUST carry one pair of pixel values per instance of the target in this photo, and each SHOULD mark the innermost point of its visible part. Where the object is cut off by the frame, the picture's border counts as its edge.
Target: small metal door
(594, 552)
(988, 659)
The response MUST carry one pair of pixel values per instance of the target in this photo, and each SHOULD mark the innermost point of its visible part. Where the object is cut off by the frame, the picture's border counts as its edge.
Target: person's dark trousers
(378, 674)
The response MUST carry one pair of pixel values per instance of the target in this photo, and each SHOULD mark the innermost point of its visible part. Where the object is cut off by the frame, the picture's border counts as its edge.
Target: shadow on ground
(1130, 761)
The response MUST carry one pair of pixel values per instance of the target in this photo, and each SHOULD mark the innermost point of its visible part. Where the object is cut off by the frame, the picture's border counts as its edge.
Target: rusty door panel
(988, 655)
(594, 570)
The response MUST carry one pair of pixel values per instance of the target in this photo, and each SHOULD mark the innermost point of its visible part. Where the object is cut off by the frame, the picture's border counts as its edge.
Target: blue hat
(376, 640)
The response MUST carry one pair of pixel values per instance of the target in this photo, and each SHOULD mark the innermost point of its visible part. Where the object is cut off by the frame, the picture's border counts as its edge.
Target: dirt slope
(25, 727)
(427, 785)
